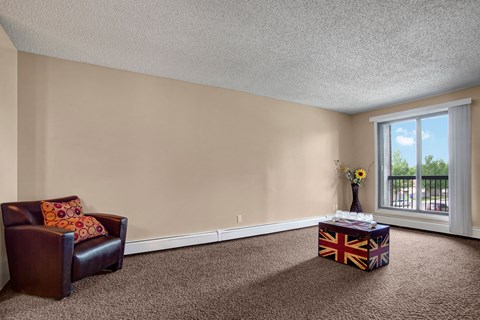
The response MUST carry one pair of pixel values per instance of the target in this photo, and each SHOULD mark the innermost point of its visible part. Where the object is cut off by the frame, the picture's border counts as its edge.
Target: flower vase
(356, 206)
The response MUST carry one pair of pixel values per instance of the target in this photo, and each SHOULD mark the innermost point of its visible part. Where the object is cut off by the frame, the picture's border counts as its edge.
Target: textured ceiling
(349, 56)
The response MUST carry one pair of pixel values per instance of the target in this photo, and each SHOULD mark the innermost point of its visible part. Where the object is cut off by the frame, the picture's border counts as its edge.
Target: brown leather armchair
(44, 261)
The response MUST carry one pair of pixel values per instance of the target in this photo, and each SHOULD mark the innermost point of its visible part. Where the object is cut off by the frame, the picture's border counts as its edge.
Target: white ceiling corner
(349, 56)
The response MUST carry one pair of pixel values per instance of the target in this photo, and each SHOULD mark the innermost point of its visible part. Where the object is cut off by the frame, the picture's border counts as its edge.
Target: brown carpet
(277, 276)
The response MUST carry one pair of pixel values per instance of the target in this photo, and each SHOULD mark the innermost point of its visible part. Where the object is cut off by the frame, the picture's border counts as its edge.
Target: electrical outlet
(239, 218)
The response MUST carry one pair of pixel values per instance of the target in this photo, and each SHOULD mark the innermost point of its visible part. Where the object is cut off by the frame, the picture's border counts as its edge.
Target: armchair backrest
(26, 212)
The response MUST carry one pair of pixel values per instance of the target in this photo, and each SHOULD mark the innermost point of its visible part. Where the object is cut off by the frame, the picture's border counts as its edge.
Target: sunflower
(360, 174)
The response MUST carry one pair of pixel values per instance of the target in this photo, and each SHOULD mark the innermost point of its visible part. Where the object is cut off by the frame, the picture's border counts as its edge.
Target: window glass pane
(435, 164)
(404, 155)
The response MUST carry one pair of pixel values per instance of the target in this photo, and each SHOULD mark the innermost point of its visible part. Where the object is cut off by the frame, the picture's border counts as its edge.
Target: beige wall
(173, 157)
(363, 143)
(8, 135)
(176, 157)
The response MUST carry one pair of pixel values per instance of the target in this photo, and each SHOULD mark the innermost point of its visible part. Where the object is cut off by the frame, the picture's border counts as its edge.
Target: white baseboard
(148, 245)
(170, 242)
(236, 233)
(141, 246)
(476, 233)
(422, 225)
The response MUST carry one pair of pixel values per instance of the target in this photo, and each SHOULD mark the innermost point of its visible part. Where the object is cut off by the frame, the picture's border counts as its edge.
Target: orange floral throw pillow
(84, 227)
(69, 215)
(61, 210)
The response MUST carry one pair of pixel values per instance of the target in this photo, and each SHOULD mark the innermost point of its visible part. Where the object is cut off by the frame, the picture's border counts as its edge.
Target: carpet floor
(277, 276)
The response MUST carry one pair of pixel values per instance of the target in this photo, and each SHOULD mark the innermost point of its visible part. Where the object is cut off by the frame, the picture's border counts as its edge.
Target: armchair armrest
(40, 259)
(115, 225)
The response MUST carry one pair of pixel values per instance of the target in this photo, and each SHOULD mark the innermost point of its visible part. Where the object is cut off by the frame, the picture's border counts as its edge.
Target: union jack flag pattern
(379, 252)
(343, 248)
(353, 243)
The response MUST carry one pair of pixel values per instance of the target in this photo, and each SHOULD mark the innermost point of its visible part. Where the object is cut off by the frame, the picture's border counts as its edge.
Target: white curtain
(459, 170)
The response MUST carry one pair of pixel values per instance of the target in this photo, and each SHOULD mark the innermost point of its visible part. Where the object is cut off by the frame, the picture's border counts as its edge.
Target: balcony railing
(402, 193)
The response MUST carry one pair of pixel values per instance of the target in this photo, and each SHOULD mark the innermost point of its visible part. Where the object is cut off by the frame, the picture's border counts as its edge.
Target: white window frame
(442, 107)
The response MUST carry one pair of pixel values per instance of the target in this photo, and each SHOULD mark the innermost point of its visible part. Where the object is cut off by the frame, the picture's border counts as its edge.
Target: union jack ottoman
(354, 243)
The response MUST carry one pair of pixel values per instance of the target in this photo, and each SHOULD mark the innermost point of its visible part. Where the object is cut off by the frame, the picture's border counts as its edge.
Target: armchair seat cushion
(95, 254)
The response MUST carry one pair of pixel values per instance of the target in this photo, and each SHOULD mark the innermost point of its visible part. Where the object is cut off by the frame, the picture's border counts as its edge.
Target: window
(423, 164)
(414, 158)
